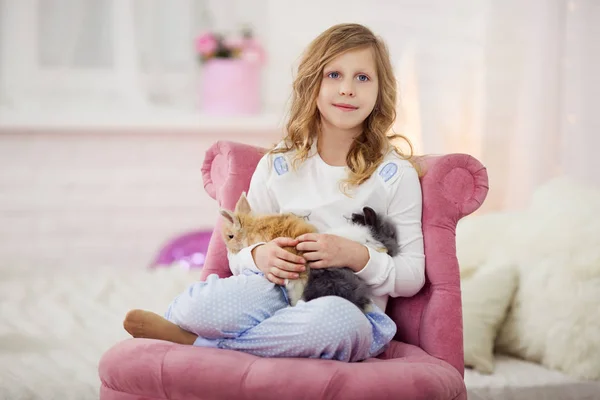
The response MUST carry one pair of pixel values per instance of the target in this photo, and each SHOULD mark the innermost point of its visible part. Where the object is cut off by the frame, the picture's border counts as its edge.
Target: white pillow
(554, 319)
(486, 296)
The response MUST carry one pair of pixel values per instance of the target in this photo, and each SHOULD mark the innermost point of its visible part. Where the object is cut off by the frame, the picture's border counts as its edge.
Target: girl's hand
(326, 251)
(276, 263)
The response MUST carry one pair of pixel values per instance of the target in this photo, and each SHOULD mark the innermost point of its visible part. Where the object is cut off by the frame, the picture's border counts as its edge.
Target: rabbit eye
(230, 236)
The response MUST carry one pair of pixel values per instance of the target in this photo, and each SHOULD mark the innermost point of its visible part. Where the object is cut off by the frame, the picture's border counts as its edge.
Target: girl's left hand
(325, 251)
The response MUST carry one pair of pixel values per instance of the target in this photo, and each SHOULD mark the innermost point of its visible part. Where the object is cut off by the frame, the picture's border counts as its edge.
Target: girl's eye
(333, 75)
(363, 78)
(230, 236)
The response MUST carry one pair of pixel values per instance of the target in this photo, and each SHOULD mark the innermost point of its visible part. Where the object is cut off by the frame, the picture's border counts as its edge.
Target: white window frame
(21, 70)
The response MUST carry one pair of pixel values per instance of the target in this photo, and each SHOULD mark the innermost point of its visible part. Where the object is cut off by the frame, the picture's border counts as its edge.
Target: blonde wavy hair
(370, 147)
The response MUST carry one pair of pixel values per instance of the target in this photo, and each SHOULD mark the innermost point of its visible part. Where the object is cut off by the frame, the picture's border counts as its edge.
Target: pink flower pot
(230, 87)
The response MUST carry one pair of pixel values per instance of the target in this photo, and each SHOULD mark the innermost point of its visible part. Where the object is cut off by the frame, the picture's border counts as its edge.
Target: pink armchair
(425, 361)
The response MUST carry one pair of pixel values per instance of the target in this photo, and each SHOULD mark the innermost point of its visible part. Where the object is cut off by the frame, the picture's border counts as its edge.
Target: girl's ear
(230, 218)
(242, 206)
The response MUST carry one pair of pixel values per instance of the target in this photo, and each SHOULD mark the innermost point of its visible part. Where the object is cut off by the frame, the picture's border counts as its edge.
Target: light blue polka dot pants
(250, 314)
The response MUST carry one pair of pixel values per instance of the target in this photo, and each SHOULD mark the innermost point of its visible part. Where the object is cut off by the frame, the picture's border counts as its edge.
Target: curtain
(517, 90)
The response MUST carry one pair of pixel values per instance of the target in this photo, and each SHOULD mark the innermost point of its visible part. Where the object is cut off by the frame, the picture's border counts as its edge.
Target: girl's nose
(346, 89)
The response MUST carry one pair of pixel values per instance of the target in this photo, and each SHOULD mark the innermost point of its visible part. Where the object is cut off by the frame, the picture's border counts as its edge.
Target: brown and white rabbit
(243, 228)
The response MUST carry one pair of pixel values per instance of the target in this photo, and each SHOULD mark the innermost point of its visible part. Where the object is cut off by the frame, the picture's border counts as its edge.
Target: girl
(337, 158)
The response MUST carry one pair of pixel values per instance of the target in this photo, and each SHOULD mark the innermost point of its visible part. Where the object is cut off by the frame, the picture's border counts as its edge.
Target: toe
(134, 322)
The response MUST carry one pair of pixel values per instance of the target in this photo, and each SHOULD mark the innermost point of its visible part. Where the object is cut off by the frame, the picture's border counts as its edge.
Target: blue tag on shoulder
(388, 171)
(280, 165)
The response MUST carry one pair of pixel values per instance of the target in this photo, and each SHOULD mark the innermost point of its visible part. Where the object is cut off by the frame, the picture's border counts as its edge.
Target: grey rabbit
(382, 229)
(343, 282)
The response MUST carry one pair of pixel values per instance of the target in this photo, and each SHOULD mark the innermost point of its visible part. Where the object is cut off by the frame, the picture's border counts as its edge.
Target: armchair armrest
(453, 186)
(226, 173)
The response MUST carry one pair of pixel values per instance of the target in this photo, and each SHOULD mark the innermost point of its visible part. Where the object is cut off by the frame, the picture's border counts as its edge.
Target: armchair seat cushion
(152, 369)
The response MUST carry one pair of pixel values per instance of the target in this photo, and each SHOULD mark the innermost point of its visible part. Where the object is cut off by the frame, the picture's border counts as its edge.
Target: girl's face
(349, 89)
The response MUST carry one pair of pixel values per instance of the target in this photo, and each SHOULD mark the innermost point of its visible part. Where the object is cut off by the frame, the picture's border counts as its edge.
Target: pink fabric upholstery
(425, 361)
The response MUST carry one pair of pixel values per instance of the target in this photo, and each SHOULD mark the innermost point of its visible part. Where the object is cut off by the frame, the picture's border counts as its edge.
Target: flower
(206, 44)
(253, 51)
(236, 42)
(213, 45)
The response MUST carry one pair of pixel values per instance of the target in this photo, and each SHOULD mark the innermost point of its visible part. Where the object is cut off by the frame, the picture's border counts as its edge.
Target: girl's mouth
(345, 107)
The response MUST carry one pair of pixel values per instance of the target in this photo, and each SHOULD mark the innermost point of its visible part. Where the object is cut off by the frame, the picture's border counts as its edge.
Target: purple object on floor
(187, 250)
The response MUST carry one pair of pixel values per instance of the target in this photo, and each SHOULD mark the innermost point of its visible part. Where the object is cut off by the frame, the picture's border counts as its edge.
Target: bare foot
(146, 324)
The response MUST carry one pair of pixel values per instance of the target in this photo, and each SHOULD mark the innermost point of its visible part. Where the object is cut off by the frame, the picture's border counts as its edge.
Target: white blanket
(56, 324)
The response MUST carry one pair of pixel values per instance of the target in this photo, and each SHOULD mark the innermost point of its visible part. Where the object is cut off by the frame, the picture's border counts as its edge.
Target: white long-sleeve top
(313, 191)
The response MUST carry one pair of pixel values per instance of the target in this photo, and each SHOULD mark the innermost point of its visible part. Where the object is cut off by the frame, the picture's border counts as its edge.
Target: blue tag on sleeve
(280, 165)
(388, 171)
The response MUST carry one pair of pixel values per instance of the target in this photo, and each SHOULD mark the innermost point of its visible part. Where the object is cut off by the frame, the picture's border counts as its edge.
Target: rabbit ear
(358, 219)
(370, 216)
(230, 217)
(242, 206)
